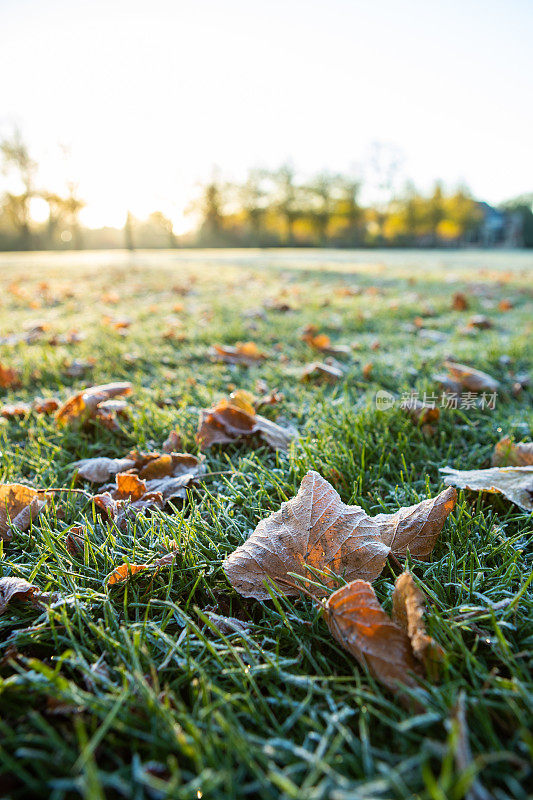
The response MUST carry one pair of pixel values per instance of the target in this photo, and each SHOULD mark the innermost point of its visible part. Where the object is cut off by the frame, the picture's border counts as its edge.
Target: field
(130, 690)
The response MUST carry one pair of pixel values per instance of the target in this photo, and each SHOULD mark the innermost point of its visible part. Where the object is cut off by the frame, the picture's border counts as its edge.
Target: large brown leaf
(358, 622)
(509, 454)
(317, 530)
(515, 483)
(19, 505)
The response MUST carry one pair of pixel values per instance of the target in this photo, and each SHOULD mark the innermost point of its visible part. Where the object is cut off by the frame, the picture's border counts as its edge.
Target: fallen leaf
(509, 454)
(89, 403)
(515, 483)
(17, 588)
(408, 612)
(128, 487)
(225, 422)
(172, 442)
(98, 470)
(19, 505)
(471, 379)
(124, 572)
(358, 622)
(45, 406)
(480, 321)
(320, 341)
(460, 302)
(171, 474)
(227, 625)
(9, 377)
(422, 413)
(317, 530)
(246, 353)
(505, 305)
(13, 410)
(320, 371)
(77, 368)
(75, 541)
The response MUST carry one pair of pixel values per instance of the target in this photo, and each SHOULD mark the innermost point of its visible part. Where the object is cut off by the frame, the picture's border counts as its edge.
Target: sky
(138, 100)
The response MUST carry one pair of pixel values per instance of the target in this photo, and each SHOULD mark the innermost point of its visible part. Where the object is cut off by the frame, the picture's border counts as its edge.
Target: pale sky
(149, 95)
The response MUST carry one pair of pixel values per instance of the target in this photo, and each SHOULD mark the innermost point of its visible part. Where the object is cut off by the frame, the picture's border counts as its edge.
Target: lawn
(131, 690)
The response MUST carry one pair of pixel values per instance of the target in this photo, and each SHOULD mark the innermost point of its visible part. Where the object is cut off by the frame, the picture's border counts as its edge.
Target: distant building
(498, 228)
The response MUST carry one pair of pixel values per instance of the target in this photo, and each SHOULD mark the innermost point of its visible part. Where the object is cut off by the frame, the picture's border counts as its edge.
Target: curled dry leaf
(75, 541)
(317, 531)
(19, 505)
(246, 353)
(248, 402)
(358, 622)
(170, 474)
(125, 571)
(98, 470)
(16, 588)
(233, 419)
(89, 404)
(227, 625)
(45, 406)
(471, 379)
(509, 454)
(515, 483)
(129, 498)
(319, 371)
(13, 410)
(408, 612)
(39, 406)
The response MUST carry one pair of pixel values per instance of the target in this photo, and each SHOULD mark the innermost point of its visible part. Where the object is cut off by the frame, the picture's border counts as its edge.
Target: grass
(131, 691)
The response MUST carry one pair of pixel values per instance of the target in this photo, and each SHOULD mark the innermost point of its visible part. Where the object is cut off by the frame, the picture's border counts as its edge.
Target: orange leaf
(9, 377)
(124, 572)
(358, 622)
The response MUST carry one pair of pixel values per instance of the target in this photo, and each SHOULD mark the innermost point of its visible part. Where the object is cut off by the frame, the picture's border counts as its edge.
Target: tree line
(266, 209)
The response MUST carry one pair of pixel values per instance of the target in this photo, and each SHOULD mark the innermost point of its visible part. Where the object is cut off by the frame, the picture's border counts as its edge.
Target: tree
(321, 191)
(159, 220)
(435, 212)
(349, 209)
(56, 213)
(252, 198)
(73, 206)
(128, 232)
(17, 161)
(287, 200)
